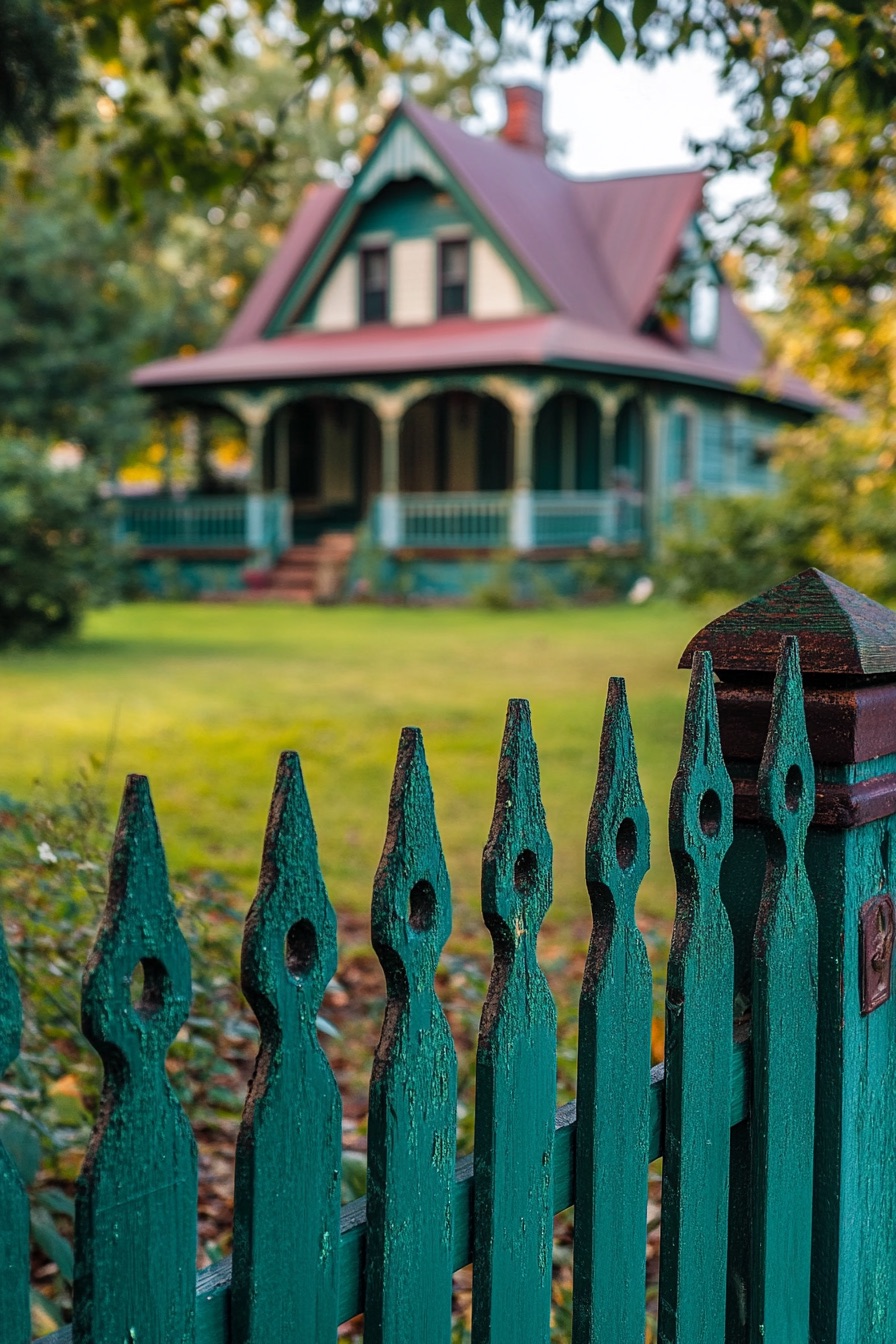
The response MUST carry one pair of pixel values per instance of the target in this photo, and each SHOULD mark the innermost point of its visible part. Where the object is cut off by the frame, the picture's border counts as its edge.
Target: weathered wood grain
(613, 1088)
(15, 1318)
(785, 968)
(413, 1088)
(842, 633)
(288, 1157)
(699, 1007)
(213, 1284)
(516, 1062)
(135, 1205)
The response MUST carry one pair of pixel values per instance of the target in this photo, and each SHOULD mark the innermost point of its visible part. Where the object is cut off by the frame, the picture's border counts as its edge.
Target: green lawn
(202, 698)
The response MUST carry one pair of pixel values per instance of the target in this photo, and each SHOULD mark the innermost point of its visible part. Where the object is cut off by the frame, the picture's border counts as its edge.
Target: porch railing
(255, 522)
(525, 521)
(578, 517)
(444, 521)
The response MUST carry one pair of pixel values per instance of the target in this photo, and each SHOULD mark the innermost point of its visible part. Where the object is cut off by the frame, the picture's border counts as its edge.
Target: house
(465, 355)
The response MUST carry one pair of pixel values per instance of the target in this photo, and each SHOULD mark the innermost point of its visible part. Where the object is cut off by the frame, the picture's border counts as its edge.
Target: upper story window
(375, 284)
(454, 277)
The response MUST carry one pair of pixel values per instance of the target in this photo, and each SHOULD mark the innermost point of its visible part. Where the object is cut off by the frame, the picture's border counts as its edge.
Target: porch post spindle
(389, 510)
(522, 519)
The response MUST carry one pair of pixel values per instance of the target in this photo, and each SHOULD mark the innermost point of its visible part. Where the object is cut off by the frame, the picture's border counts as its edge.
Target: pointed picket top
(411, 910)
(700, 816)
(137, 1186)
(285, 1278)
(786, 773)
(617, 848)
(516, 863)
(841, 632)
(139, 925)
(289, 944)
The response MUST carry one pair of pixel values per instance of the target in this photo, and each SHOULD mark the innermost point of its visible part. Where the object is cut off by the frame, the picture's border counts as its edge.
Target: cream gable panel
(494, 289)
(337, 304)
(413, 282)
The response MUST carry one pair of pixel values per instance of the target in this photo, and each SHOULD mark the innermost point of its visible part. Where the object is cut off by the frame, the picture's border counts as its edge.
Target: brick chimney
(525, 118)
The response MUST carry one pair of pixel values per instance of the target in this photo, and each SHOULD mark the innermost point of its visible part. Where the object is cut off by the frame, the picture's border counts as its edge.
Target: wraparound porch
(256, 528)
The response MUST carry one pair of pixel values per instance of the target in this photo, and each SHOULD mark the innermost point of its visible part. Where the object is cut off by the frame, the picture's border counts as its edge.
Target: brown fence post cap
(841, 632)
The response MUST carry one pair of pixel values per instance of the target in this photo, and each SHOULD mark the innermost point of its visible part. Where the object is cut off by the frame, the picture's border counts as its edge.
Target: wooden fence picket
(411, 1138)
(135, 1205)
(699, 1006)
(516, 1063)
(785, 1009)
(613, 1087)
(15, 1269)
(288, 1158)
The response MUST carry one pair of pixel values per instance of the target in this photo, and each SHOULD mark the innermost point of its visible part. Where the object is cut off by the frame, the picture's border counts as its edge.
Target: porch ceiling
(543, 340)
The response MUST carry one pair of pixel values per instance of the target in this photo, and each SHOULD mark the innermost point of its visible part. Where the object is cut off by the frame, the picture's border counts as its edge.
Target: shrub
(57, 556)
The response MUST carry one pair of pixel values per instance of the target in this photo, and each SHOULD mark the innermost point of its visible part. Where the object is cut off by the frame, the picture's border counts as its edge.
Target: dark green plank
(613, 1088)
(785, 958)
(288, 1157)
(413, 1088)
(516, 1063)
(135, 1205)
(213, 1284)
(699, 997)
(15, 1318)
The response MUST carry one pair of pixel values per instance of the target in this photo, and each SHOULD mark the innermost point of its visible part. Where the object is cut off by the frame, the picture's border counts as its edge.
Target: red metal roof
(598, 249)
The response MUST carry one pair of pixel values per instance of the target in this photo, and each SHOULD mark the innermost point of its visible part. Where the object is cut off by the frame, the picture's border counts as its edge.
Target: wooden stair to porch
(294, 577)
(308, 572)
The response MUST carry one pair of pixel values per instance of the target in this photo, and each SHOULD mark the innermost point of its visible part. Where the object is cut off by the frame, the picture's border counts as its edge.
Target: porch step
(309, 573)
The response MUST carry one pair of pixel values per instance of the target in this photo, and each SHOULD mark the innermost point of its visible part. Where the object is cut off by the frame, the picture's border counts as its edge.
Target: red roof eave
(544, 340)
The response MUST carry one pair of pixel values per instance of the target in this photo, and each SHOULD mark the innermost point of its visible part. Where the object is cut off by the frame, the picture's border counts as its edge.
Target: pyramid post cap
(841, 632)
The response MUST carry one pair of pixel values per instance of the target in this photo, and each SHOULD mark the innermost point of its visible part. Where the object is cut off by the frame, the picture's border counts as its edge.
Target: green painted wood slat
(135, 1203)
(516, 1064)
(785, 1011)
(699, 1005)
(213, 1285)
(15, 1268)
(613, 1087)
(288, 1156)
(411, 1137)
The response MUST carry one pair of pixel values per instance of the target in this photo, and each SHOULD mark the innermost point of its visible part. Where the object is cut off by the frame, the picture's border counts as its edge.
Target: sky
(617, 117)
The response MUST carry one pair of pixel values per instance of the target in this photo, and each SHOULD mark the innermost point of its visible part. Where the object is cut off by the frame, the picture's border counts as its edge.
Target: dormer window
(703, 310)
(454, 277)
(375, 284)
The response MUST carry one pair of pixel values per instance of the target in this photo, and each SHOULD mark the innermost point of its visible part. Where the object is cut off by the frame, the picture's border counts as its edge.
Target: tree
(85, 297)
(145, 63)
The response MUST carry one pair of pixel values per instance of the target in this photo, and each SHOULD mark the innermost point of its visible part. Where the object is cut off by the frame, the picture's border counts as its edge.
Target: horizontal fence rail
(213, 1285)
(301, 1265)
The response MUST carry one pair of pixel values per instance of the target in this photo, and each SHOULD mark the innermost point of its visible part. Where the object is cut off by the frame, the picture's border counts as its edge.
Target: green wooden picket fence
(773, 1111)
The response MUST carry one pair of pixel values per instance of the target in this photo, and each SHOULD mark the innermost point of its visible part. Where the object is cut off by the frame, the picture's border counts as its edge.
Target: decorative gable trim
(401, 154)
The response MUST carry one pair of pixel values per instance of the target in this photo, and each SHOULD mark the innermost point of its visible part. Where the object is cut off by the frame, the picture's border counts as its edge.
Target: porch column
(653, 474)
(608, 408)
(522, 513)
(389, 518)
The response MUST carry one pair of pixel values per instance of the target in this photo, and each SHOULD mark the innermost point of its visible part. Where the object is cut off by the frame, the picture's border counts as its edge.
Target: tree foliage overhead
(144, 64)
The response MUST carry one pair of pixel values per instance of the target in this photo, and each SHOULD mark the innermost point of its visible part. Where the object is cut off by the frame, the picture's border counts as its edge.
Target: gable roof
(597, 249)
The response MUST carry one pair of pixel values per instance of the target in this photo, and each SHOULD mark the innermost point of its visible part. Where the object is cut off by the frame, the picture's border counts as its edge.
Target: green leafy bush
(57, 556)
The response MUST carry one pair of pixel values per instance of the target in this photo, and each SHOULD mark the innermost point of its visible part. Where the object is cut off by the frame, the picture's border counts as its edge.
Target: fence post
(847, 646)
